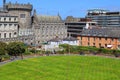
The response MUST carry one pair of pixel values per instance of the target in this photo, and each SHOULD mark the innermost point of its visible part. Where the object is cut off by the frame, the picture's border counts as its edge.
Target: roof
(102, 32)
(55, 40)
(69, 39)
(47, 18)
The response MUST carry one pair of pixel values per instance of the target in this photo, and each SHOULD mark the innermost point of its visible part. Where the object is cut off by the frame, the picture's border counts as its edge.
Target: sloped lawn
(62, 68)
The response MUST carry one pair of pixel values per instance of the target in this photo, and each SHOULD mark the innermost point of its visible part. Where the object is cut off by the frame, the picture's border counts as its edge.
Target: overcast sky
(76, 8)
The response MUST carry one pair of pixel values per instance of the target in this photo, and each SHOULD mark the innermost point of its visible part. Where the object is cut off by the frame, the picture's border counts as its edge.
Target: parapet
(17, 6)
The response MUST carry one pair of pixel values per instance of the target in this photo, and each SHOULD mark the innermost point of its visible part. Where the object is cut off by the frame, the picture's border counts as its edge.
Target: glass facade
(107, 19)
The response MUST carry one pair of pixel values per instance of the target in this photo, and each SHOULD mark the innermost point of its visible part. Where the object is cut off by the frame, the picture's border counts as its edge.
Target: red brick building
(100, 38)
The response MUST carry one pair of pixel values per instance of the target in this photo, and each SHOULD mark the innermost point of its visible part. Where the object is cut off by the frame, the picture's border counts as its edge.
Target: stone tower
(23, 11)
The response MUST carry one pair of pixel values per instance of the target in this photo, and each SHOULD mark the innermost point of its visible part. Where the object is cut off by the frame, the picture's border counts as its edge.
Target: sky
(75, 8)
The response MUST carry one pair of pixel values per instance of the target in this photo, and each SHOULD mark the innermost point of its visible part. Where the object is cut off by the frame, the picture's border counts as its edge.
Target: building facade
(48, 27)
(104, 18)
(100, 38)
(76, 25)
(8, 26)
(23, 11)
(15, 23)
(53, 44)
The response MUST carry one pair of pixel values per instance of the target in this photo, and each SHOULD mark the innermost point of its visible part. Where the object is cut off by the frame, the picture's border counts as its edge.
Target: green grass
(62, 68)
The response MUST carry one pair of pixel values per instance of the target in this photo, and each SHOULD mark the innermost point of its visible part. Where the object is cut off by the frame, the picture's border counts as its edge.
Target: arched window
(4, 19)
(9, 19)
(15, 33)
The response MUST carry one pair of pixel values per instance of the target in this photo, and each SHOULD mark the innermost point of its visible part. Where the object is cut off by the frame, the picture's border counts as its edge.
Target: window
(9, 19)
(10, 24)
(9, 35)
(94, 38)
(100, 38)
(100, 45)
(15, 24)
(0, 35)
(4, 35)
(0, 25)
(88, 44)
(22, 15)
(88, 38)
(14, 19)
(31, 43)
(5, 25)
(15, 33)
(4, 19)
(105, 45)
(112, 39)
(93, 44)
(105, 38)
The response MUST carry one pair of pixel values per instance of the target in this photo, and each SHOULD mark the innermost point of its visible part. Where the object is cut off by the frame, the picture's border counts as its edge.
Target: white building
(70, 41)
(8, 26)
(54, 43)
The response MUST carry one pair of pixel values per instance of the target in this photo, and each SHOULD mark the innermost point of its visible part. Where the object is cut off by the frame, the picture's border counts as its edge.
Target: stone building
(31, 29)
(48, 27)
(23, 11)
(100, 38)
(15, 23)
(8, 26)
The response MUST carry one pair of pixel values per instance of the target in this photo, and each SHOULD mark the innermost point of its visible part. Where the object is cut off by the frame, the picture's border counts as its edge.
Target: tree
(67, 48)
(2, 50)
(16, 49)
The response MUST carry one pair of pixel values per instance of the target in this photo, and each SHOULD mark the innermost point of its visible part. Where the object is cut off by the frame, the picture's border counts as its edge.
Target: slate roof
(69, 39)
(102, 32)
(55, 40)
(46, 18)
(65, 39)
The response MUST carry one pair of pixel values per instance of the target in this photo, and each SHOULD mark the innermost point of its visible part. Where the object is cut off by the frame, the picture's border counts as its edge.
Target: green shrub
(61, 52)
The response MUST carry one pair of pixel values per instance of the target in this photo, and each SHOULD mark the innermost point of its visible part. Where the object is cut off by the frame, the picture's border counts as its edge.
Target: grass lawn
(62, 68)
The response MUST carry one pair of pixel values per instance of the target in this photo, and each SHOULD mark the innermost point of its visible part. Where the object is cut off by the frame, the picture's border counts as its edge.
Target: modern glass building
(104, 18)
(76, 25)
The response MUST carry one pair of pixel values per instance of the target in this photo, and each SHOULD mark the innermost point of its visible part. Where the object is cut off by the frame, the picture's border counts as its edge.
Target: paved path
(18, 58)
